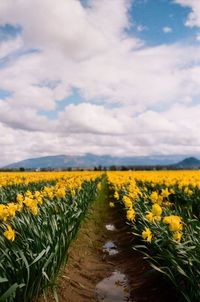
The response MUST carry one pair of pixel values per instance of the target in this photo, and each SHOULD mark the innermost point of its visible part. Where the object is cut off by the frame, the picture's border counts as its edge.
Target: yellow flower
(127, 202)
(19, 207)
(167, 219)
(130, 215)
(160, 199)
(111, 204)
(147, 235)
(156, 210)
(3, 212)
(9, 233)
(11, 208)
(31, 205)
(98, 186)
(37, 194)
(50, 195)
(73, 192)
(61, 193)
(174, 223)
(156, 198)
(168, 204)
(149, 216)
(29, 194)
(116, 195)
(48, 192)
(28, 201)
(177, 236)
(188, 191)
(39, 200)
(165, 192)
(34, 210)
(157, 218)
(20, 198)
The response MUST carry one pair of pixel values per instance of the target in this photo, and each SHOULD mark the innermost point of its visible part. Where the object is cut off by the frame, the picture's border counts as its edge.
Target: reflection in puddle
(113, 288)
(110, 227)
(110, 248)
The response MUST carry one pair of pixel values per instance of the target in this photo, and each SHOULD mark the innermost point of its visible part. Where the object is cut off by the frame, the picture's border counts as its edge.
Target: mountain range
(188, 163)
(92, 160)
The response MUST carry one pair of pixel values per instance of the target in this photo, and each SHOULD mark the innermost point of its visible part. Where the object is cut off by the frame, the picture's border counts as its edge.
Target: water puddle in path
(110, 248)
(113, 288)
(110, 227)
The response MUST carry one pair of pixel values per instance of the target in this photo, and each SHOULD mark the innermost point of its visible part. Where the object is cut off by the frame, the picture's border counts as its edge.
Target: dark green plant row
(30, 264)
(178, 261)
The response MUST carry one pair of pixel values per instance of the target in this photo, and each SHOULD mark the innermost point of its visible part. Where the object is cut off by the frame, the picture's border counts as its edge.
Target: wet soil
(102, 266)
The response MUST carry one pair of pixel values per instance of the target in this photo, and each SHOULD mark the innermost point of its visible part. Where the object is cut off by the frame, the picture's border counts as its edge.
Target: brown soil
(88, 264)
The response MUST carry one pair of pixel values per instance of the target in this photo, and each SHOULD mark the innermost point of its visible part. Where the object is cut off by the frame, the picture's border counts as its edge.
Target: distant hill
(92, 160)
(188, 163)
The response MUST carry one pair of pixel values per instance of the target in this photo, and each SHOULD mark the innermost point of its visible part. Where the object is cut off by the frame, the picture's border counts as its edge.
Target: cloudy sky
(118, 77)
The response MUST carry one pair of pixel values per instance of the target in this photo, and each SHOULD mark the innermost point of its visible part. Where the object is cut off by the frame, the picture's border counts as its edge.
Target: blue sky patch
(8, 31)
(4, 94)
(151, 16)
(75, 98)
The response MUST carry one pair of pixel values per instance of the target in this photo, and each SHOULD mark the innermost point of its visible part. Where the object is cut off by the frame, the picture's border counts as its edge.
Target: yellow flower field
(163, 211)
(39, 216)
(40, 213)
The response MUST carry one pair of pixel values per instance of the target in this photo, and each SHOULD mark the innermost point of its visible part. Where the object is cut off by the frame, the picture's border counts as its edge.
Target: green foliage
(30, 264)
(178, 261)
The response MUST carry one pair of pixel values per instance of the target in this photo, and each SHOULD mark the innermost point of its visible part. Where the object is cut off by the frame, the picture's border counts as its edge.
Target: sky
(118, 77)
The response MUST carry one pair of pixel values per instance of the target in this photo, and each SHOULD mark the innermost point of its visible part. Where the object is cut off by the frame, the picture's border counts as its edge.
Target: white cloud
(88, 118)
(167, 29)
(129, 89)
(76, 31)
(141, 27)
(10, 46)
(193, 18)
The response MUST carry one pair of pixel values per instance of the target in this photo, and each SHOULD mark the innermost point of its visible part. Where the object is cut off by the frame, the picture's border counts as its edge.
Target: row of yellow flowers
(38, 221)
(32, 199)
(25, 178)
(155, 189)
(163, 210)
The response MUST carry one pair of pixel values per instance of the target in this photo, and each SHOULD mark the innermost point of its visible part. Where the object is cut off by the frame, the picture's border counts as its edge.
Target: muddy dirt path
(103, 267)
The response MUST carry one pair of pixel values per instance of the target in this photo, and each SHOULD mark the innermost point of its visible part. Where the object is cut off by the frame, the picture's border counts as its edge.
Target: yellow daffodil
(116, 195)
(156, 210)
(127, 202)
(177, 236)
(130, 215)
(149, 216)
(147, 235)
(9, 233)
(154, 197)
(165, 192)
(20, 198)
(174, 223)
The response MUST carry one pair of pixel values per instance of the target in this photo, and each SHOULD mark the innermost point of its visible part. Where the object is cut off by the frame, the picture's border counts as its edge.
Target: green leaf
(39, 257)
(55, 294)
(2, 280)
(9, 292)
